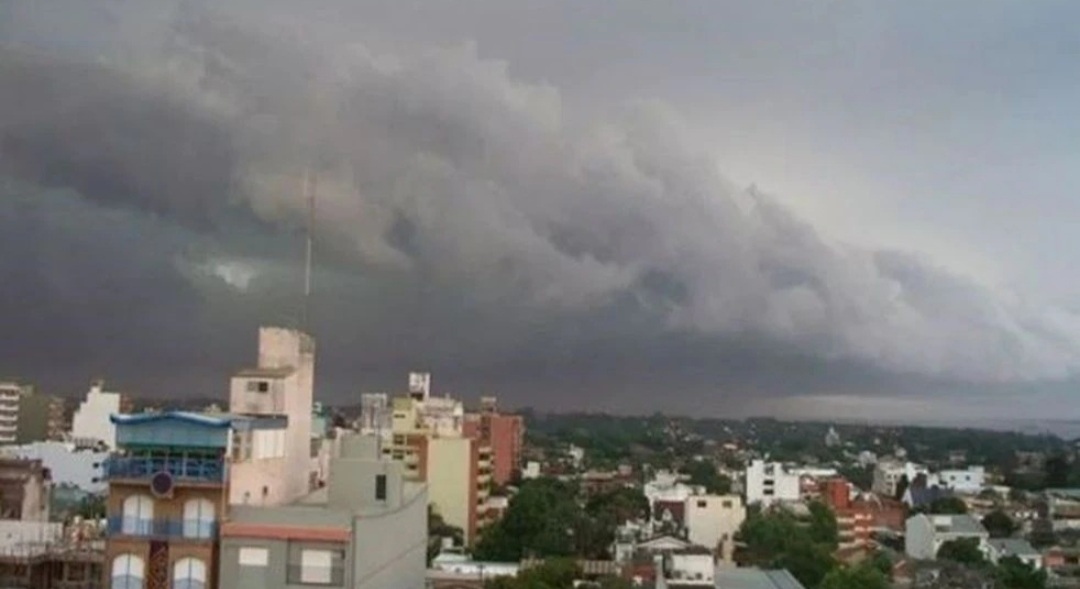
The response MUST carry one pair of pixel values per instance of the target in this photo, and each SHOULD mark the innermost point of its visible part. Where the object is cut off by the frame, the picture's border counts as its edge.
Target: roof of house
(1013, 547)
(957, 524)
(755, 579)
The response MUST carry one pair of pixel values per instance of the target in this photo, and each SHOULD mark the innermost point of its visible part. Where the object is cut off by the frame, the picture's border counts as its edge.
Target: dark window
(702, 503)
(380, 487)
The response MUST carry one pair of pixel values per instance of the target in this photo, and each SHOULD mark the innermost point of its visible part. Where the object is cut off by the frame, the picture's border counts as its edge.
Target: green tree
(91, 507)
(542, 520)
(1056, 471)
(999, 524)
(823, 528)
(862, 576)
(945, 506)
(778, 539)
(961, 550)
(705, 474)
(880, 560)
(555, 573)
(1012, 573)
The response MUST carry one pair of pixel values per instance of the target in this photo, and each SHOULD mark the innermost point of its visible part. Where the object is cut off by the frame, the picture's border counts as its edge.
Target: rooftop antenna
(310, 182)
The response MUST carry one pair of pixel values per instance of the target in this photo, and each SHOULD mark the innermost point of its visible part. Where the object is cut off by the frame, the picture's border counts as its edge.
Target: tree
(555, 573)
(902, 487)
(823, 528)
(439, 529)
(880, 560)
(1056, 471)
(961, 550)
(703, 473)
(945, 506)
(542, 520)
(1012, 573)
(778, 539)
(861, 576)
(91, 507)
(999, 524)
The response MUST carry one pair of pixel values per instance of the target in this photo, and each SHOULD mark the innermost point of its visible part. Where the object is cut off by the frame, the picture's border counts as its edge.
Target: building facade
(770, 482)
(91, 425)
(889, 473)
(367, 529)
(713, 520)
(504, 434)
(11, 394)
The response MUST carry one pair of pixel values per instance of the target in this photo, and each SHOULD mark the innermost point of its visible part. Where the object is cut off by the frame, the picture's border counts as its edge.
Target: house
(966, 481)
(999, 548)
(926, 533)
(1063, 508)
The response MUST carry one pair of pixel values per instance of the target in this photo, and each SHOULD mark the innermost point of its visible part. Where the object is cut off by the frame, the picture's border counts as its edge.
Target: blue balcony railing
(211, 470)
(194, 529)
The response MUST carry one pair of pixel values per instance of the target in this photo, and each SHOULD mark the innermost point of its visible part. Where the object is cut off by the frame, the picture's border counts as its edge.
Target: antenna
(309, 192)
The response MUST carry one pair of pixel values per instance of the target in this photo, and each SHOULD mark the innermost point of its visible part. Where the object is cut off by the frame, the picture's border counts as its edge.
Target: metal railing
(318, 576)
(193, 529)
(181, 468)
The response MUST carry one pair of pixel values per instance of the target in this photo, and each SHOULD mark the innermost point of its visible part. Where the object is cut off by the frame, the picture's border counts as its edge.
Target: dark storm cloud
(473, 228)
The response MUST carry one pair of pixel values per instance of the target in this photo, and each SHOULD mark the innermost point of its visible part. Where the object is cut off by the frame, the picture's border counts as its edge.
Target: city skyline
(730, 210)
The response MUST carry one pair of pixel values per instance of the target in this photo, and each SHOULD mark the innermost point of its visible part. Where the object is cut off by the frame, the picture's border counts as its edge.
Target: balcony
(191, 529)
(182, 468)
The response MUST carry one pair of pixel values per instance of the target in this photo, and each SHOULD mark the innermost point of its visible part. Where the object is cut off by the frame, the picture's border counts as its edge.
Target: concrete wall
(390, 550)
(712, 521)
(450, 487)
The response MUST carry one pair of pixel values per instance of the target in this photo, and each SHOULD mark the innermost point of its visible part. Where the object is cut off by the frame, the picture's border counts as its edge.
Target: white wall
(18, 536)
(919, 538)
(67, 466)
(692, 569)
(91, 423)
(970, 480)
(712, 519)
(769, 482)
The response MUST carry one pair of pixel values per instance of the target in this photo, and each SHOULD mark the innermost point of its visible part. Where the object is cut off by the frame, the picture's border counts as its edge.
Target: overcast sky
(796, 208)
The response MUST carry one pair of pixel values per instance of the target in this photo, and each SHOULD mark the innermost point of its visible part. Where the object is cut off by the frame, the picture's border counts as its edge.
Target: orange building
(504, 434)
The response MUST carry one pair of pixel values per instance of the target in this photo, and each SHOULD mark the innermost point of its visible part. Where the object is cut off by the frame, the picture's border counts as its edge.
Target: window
(127, 572)
(313, 563)
(251, 556)
(380, 487)
(138, 515)
(198, 519)
(258, 386)
(726, 504)
(189, 573)
(702, 503)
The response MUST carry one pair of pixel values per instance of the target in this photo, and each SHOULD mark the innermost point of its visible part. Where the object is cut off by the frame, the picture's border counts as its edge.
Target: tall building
(429, 438)
(278, 466)
(90, 425)
(504, 434)
(41, 417)
(10, 395)
(366, 529)
(713, 520)
(167, 489)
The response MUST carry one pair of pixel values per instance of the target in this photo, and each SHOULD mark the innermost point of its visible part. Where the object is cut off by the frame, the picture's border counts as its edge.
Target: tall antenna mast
(309, 191)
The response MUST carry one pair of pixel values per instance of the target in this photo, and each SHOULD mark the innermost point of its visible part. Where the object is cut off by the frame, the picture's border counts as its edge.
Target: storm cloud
(467, 220)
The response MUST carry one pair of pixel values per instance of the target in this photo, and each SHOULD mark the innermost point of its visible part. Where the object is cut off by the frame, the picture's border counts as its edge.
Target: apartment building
(274, 466)
(889, 473)
(41, 418)
(503, 433)
(167, 491)
(429, 439)
(91, 426)
(855, 521)
(10, 395)
(367, 529)
(771, 482)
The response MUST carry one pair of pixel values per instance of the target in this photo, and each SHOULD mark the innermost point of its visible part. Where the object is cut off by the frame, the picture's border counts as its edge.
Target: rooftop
(1013, 547)
(956, 524)
(727, 578)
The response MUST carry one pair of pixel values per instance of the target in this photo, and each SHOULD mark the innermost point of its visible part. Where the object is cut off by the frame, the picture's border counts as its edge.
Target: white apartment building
(770, 482)
(924, 534)
(888, 473)
(10, 395)
(375, 415)
(713, 520)
(969, 480)
(90, 425)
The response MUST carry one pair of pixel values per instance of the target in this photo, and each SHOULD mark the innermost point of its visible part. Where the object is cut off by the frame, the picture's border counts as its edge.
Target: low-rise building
(970, 480)
(713, 520)
(926, 533)
(1063, 508)
(367, 529)
(999, 548)
(691, 567)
